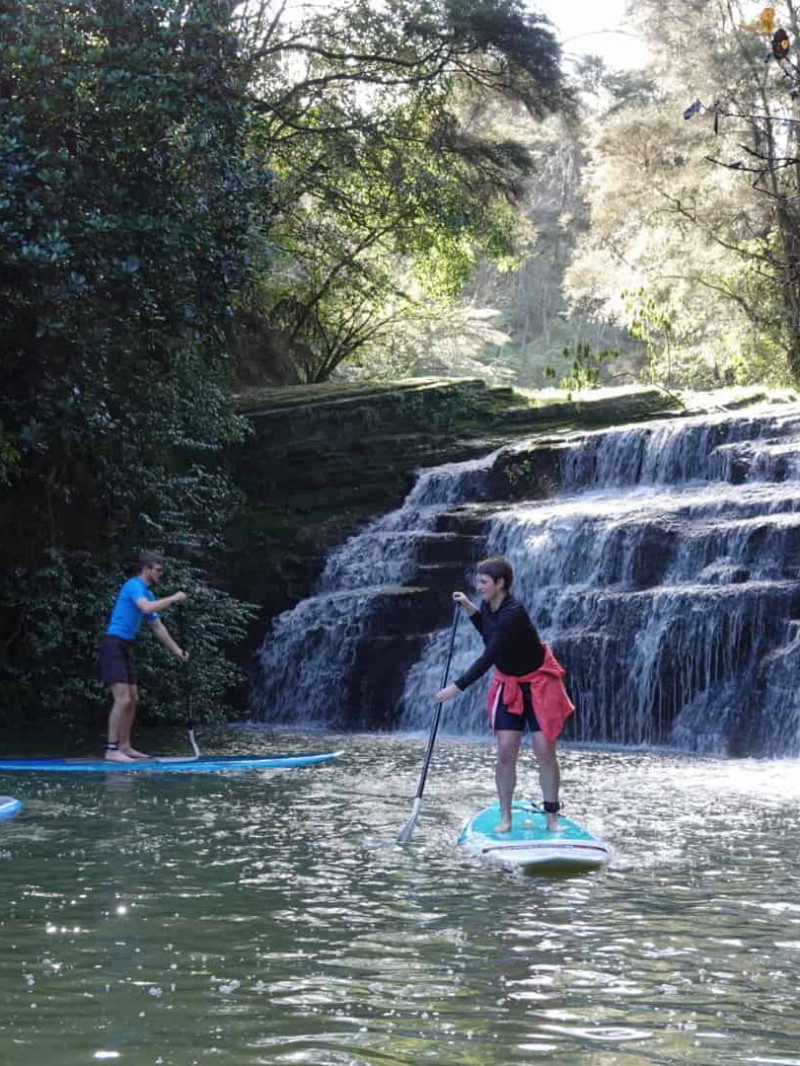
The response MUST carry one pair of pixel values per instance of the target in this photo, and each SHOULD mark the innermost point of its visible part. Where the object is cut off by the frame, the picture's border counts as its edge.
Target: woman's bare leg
(508, 744)
(549, 773)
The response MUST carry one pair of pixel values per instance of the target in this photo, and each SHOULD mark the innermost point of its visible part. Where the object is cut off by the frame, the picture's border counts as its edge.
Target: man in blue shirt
(134, 602)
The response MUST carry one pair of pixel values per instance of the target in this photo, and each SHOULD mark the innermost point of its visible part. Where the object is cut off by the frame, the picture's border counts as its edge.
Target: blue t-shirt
(126, 616)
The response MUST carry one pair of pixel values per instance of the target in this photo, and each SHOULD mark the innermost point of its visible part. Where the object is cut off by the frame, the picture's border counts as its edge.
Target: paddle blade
(193, 742)
(405, 833)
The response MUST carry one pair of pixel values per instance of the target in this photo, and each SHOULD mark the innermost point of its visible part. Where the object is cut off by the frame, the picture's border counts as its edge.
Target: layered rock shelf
(324, 460)
(661, 560)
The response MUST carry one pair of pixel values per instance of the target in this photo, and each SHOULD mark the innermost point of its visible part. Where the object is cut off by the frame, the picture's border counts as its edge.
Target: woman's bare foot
(552, 823)
(134, 754)
(113, 755)
(503, 826)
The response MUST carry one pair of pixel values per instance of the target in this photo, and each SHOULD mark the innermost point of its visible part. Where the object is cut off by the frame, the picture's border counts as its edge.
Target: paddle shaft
(189, 708)
(438, 712)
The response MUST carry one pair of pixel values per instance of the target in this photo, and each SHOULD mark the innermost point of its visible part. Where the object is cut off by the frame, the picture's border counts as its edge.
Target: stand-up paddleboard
(204, 764)
(9, 807)
(530, 844)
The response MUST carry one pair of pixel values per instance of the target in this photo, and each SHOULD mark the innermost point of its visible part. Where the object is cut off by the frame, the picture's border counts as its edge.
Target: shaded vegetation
(130, 204)
(174, 174)
(197, 195)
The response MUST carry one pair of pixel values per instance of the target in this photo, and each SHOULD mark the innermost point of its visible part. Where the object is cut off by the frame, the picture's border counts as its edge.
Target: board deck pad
(9, 807)
(530, 844)
(205, 764)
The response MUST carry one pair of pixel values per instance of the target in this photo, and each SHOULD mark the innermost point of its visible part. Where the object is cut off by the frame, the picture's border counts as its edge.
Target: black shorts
(115, 661)
(505, 719)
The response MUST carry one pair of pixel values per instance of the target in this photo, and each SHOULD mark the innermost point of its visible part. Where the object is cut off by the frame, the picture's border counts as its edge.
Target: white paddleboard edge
(583, 855)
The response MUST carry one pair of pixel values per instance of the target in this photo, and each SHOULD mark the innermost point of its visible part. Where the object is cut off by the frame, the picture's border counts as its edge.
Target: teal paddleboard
(530, 844)
(9, 807)
(203, 764)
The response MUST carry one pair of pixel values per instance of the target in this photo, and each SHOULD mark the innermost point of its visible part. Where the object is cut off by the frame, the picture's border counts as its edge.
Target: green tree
(131, 203)
(699, 214)
(387, 190)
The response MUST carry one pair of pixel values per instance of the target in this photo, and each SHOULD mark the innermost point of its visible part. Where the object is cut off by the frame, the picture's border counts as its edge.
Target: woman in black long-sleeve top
(521, 662)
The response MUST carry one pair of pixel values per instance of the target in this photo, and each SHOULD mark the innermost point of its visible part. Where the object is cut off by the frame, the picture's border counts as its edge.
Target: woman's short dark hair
(497, 566)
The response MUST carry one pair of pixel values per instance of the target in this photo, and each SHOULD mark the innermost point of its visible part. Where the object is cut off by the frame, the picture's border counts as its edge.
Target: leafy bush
(129, 207)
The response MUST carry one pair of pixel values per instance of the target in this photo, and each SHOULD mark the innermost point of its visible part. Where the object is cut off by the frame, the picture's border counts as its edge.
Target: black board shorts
(115, 662)
(505, 719)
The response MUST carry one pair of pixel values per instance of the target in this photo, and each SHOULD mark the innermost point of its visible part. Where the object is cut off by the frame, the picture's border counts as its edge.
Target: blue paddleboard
(204, 764)
(9, 807)
(530, 844)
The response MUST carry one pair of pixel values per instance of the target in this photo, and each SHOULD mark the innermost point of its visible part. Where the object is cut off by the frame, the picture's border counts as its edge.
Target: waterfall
(681, 450)
(308, 665)
(663, 568)
(665, 575)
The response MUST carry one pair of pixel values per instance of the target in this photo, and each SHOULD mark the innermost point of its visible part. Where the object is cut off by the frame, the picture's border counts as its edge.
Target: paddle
(189, 710)
(408, 828)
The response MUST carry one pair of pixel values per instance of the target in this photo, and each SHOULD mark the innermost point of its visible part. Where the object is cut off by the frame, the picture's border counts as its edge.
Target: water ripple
(270, 918)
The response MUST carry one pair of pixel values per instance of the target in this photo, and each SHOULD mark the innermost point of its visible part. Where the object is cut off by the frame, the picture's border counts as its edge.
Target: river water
(266, 917)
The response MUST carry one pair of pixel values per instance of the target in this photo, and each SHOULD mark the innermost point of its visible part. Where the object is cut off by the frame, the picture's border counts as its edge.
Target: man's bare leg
(508, 744)
(125, 733)
(122, 696)
(549, 774)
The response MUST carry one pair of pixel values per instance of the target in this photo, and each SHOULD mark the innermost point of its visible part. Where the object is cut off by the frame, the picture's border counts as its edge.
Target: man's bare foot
(113, 755)
(503, 826)
(134, 754)
(552, 823)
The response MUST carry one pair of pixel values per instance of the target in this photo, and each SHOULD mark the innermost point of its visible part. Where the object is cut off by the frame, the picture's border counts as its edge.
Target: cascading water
(308, 665)
(664, 572)
(667, 594)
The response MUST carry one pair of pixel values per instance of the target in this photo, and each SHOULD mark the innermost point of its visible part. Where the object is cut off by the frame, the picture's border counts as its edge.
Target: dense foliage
(693, 191)
(390, 187)
(184, 178)
(130, 203)
(190, 188)
(673, 240)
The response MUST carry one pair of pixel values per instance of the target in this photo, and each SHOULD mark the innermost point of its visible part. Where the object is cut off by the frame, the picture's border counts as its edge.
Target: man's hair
(149, 559)
(497, 566)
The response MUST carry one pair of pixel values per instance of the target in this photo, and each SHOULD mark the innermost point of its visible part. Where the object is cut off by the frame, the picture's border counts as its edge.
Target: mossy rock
(323, 460)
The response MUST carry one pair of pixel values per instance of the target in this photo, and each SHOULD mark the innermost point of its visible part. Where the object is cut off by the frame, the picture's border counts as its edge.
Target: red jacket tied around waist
(551, 704)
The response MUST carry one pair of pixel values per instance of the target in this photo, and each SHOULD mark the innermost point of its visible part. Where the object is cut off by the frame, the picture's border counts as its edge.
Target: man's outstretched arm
(162, 634)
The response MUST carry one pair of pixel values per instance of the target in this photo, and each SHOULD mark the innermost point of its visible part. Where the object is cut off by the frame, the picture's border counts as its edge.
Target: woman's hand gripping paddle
(408, 828)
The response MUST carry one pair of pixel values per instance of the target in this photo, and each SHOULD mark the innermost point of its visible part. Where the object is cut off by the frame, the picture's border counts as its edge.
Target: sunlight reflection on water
(268, 917)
